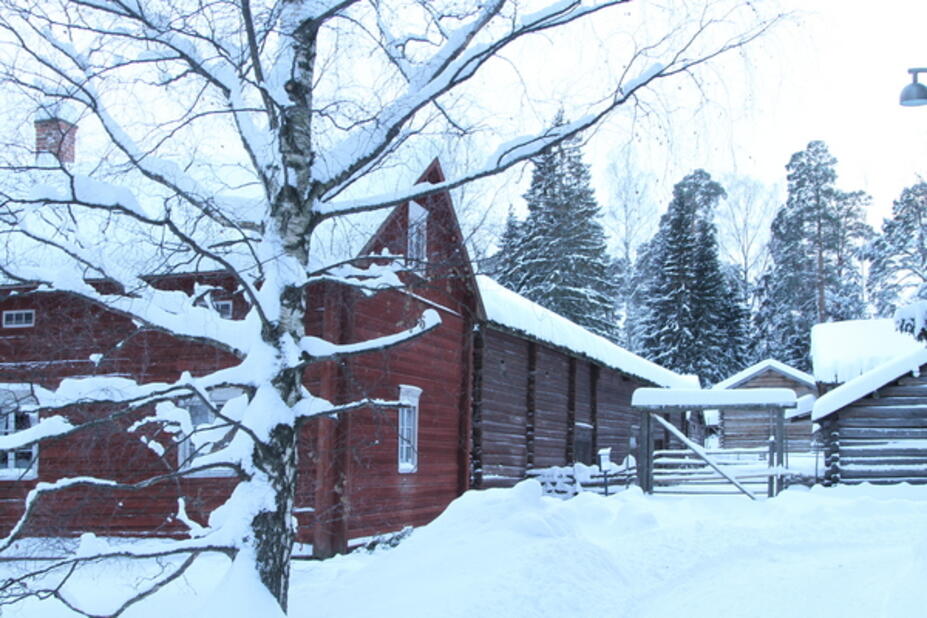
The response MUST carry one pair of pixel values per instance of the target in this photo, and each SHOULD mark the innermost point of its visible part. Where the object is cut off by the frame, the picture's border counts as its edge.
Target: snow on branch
(365, 272)
(451, 65)
(319, 349)
(51, 427)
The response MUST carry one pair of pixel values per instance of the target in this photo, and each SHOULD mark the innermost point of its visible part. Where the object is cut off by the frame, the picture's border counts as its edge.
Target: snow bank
(840, 351)
(843, 551)
(505, 308)
(514, 553)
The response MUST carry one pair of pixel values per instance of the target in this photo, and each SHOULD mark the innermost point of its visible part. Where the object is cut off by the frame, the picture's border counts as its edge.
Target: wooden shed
(749, 429)
(874, 427)
(547, 392)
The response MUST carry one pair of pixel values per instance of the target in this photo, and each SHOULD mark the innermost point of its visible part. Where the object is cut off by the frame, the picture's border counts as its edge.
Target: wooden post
(570, 454)
(476, 426)
(594, 404)
(645, 447)
(770, 481)
(530, 404)
(780, 448)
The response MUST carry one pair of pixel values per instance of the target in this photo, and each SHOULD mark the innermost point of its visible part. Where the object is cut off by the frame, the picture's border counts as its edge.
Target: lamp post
(914, 93)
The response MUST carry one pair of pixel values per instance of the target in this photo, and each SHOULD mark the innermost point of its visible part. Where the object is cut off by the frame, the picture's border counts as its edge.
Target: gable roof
(841, 351)
(769, 364)
(511, 311)
(864, 384)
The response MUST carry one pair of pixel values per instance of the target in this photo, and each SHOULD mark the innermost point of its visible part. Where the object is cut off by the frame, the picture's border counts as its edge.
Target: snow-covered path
(830, 581)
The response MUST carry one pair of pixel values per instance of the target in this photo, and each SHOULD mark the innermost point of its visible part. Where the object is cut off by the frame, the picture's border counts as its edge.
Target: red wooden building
(500, 386)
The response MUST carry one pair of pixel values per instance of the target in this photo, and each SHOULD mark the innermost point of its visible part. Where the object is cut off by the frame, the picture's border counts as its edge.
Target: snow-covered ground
(846, 551)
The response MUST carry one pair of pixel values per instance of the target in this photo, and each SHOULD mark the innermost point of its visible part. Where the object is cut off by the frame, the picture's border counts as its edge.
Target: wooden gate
(654, 467)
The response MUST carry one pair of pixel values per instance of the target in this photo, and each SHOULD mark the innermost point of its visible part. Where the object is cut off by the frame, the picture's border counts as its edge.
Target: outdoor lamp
(914, 93)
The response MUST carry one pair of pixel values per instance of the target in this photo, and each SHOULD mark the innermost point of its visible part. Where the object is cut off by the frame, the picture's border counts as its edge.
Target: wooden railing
(567, 481)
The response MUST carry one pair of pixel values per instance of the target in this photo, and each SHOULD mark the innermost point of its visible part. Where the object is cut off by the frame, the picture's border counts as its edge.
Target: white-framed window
(209, 431)
(223, 308)
(417, 236)
(20, 318)
(408, 428)
(20, 463)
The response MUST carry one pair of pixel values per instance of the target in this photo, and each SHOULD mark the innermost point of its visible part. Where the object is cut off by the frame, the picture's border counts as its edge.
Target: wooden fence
(567, 481)
(679, 471)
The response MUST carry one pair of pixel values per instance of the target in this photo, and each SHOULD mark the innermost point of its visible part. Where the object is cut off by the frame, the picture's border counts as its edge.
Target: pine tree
(692, 322)
(899, 254)
(815, 249)
(560, 259)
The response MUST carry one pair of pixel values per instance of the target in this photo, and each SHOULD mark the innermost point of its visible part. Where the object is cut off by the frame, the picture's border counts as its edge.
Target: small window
(417, 239)
(21, 462)
(205, 439)
(19, 319)
(408, 428)
(223, 308)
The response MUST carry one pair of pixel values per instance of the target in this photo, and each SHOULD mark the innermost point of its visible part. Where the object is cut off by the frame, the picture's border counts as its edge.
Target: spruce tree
(503, 266)
(692, 320)
(560, 259)
(815, 246)
(899, 254)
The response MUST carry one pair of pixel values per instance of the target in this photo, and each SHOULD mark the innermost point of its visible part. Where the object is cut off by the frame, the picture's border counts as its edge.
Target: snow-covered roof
(729, 398)
(862, 385)
(512, 311)
(840, 351)
(803, 406)
(786, 370)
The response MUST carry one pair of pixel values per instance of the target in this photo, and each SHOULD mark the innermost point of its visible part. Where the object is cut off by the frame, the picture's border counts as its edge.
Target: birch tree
(226, 136)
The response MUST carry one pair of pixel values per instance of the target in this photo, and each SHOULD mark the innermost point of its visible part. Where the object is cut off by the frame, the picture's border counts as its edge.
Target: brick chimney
(55, 134)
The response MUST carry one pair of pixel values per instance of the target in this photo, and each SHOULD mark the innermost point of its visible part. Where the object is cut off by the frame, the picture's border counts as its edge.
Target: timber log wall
(881, 438)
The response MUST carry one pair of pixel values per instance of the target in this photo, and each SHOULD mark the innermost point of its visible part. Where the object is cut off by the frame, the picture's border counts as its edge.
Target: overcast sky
(833, 72)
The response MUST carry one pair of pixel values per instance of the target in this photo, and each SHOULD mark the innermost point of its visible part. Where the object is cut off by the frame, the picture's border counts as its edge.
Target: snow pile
(840, 351)
(514, 553)
(513, 311)
(845, 551)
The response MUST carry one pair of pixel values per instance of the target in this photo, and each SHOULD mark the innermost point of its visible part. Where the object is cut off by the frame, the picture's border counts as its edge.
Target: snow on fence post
(605, 462)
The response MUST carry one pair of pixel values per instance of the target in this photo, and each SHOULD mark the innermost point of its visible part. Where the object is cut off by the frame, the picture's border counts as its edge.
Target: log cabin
(740, 429)
(874, 426)
(872, 414)
(501, 386)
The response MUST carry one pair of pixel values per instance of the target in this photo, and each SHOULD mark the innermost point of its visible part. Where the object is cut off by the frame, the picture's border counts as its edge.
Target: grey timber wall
(535, 406)
(550, 416)
(501, 411)
(881, 438)
(741, 429)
